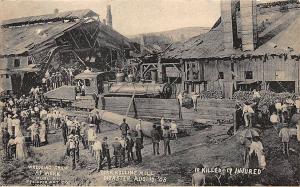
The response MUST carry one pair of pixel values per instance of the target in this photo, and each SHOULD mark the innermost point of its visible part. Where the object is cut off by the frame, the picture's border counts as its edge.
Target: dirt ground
(208, 146)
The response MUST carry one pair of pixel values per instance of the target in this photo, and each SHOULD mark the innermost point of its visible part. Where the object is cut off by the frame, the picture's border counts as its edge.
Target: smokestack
(248, 24)
(109, 16)
(228, 16)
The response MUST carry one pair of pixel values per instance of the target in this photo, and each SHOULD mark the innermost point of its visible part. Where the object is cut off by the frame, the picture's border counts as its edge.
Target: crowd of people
(283, 116)
(20, 116)
(57, 79)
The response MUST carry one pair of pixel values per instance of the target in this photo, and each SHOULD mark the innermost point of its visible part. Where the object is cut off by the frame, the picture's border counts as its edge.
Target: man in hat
(138, 148)
(284, 134)
(194, 97)
(84, 135)
(64, 130)
(117, 152)
(97, 147)
(91, 137)
(98, 122)
(274, 119)
(34, 132)
(247, 113)
(173, 129)
(124, 127)
(129, 148)
(278, 106)
(105, 152)
(180, 98)
(71, 148)
(155, 136)
(123, 149)
(138, 129)
(16, 124)
(166, 137)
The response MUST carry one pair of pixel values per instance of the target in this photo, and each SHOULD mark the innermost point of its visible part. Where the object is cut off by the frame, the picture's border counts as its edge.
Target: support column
(297, 82)
(160, 71)
(183, 78)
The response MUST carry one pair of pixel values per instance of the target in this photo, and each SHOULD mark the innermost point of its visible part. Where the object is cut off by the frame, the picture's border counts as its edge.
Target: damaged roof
(278, 36)
(19, 40)
(74, 14)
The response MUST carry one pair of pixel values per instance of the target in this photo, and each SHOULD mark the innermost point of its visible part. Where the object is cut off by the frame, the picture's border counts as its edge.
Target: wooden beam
(79, 50)
(86, 37)
(73, 39)
(79, 58)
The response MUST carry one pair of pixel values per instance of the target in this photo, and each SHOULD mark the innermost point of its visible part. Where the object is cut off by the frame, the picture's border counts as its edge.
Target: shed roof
(279, 37)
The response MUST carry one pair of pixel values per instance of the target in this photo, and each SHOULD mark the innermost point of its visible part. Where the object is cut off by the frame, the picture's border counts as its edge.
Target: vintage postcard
(149, 92)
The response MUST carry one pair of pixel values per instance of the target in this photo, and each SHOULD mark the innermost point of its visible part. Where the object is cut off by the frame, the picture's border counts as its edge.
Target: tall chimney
(104, 21)
(109, 16)
(227, 12)
(248, 24)
(228, 17)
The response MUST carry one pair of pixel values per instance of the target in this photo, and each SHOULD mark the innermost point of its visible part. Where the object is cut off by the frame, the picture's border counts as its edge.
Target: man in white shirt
(195, 96)
(97, 148)
(274, 119)
(180, 98)
(278, 106)
(91, 137)
(247, 112)
(256, 94)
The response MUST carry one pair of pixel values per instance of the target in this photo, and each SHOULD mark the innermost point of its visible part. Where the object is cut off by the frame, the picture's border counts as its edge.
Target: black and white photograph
(149, 93)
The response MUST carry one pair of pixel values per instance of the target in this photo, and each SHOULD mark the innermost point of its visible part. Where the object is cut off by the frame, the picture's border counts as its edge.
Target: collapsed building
(251, 46)
(32, 46)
